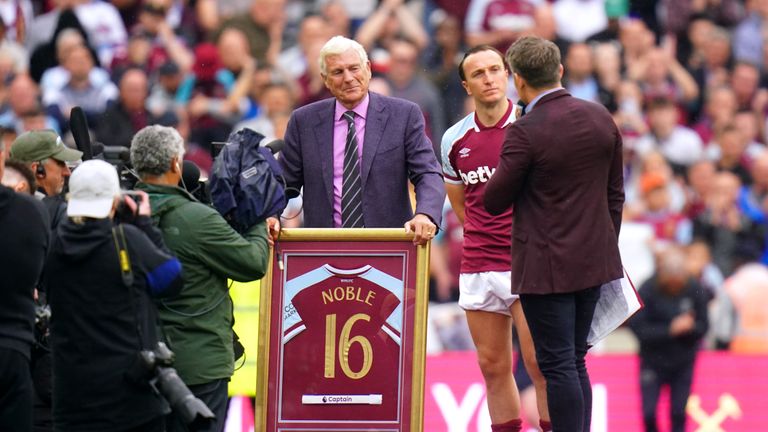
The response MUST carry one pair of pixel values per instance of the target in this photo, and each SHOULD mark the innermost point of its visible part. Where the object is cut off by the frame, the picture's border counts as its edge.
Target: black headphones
(40, 170)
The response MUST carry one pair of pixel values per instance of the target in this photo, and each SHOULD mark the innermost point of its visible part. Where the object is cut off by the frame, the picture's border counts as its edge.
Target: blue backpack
(247, 184)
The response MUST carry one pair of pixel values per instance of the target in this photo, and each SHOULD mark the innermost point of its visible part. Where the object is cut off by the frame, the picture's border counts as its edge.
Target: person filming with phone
(101, 274)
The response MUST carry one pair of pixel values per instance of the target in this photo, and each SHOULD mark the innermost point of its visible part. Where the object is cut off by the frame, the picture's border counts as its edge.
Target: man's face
(486, 78)
(347, 77)
(403, 61)
(79, 63)
(579, 61)
(133, 90)
(56, 172)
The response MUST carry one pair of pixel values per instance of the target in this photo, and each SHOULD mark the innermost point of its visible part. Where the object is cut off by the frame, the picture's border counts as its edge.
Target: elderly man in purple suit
(561, 168)
(354, 154)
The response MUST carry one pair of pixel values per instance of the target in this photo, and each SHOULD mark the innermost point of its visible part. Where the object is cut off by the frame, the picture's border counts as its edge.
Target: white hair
(338, 45)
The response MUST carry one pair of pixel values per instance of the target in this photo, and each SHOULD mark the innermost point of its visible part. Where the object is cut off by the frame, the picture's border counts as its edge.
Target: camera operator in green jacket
(196, 323)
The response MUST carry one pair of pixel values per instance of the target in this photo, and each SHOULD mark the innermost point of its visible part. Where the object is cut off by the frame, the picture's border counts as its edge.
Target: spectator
(577, 20)
(392, 20)
(607, 64)
(100, 319)
(55, 78)
(311, 85)
(498, 22)
(680, 145)
(660, 75)
(629, 112)
(725, 228)
(79, 90)
(197, 322)
(676, 16)
(165, 44)
(728, 152)
(653, 162)
(276, 99)
(690, 47)
(164, 94)
(101, 21)
(669, 329)
(263, 26)
(753, 200)
(336, 15)
(13, 48)
(715, 63)
(23, 98)
(24, 230)
(719, 109)
(745, 81)
(128, 114)
(213, 96)
(314, 29)
(16, 17)
(636, 41)
(700, 266)
(668, 225)
(407, 83)
(211, 13)
(579, 78)
(700, 178)
(748, 35)
(746, 122)
(441, 60)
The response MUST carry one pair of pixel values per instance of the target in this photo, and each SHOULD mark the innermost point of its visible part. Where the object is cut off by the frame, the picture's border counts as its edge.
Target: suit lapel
(323, 128)
(374, 130)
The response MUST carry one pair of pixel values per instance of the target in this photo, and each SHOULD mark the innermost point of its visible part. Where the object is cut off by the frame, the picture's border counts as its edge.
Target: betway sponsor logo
(480, 175)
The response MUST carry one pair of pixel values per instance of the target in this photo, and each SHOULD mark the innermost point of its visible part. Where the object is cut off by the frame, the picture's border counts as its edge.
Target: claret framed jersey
(342, 344)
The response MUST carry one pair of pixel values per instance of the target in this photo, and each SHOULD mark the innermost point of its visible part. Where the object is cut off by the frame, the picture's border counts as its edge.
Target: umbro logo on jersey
(480, 175)
(464, 152)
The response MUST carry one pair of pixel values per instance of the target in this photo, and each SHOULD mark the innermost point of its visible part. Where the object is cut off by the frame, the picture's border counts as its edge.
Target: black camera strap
(126, 271)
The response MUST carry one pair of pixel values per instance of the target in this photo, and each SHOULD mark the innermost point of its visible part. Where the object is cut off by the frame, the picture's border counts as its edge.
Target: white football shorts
(486, 291)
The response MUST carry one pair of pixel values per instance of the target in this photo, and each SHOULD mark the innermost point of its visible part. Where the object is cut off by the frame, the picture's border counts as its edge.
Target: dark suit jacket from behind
(561, 168)
(395, 150)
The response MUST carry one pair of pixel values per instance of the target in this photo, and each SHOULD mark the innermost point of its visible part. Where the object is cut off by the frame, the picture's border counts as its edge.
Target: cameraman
(99, 276)
(197, 322)
(24, 233)
(47, 156)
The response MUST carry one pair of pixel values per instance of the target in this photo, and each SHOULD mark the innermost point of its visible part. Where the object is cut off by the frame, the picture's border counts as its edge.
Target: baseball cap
(168, 68)
(42, 144)
(92, 189)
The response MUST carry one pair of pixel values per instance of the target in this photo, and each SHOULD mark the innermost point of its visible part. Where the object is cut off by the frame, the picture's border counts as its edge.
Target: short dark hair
(23, 170)
(477, 49)
(659, 102)
(536, 60)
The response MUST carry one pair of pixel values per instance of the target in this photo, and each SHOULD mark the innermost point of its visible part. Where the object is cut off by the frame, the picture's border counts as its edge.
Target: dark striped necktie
(351, 188)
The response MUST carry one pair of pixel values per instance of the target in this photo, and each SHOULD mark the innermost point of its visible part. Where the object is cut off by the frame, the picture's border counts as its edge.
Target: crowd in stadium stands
(685, 81)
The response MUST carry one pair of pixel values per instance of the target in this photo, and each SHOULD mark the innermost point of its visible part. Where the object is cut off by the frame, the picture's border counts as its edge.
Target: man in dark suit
(561, 168)
(354, 154)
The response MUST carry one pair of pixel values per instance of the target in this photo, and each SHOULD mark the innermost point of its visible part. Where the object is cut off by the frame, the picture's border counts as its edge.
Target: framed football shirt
(342, 344)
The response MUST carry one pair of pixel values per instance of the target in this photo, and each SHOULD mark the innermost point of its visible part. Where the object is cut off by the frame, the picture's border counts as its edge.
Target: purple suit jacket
(561, 167)
(396, 149)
